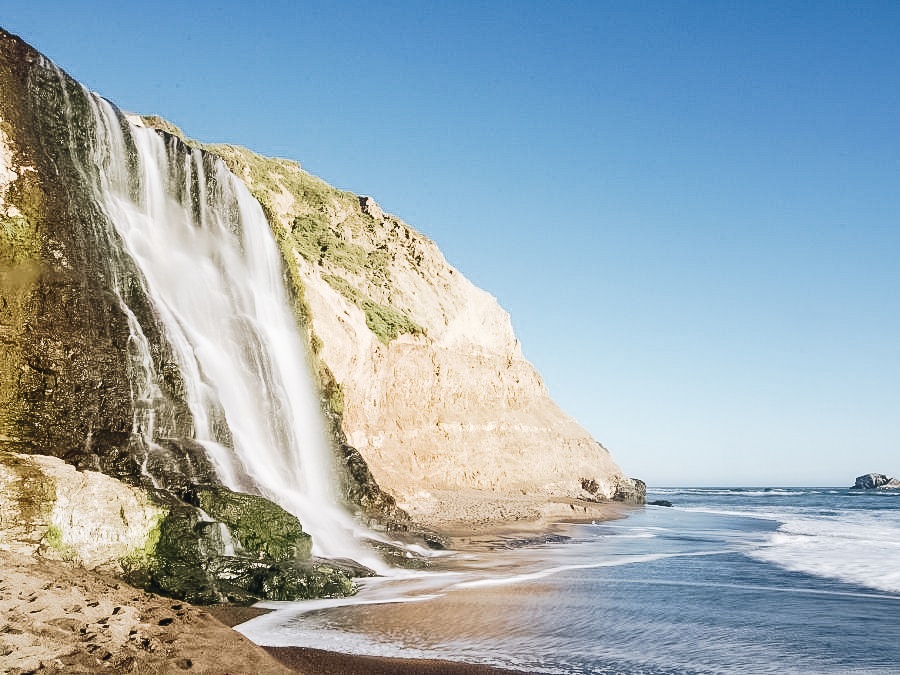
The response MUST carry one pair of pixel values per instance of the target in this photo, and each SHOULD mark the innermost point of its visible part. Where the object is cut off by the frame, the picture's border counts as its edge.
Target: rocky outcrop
(49, 508)
(876, 481)
(229, 547)
(630, 491)
(61, 334)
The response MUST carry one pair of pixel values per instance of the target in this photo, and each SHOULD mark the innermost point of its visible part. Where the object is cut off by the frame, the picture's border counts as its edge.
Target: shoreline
(553, 514)
(58, 618)
(321, 662)
(484, 536)
(325, 662)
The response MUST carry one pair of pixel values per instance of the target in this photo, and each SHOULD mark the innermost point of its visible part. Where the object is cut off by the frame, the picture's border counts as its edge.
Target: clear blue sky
(691, 210)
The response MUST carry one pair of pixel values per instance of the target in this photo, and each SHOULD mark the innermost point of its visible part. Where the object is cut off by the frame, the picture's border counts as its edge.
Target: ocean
(788, 580)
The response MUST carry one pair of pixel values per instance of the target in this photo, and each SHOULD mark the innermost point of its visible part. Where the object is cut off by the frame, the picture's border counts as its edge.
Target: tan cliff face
(442, 399)
(423, 367)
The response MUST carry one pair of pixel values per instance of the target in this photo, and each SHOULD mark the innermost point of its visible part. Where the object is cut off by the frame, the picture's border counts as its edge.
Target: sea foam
(859, 548)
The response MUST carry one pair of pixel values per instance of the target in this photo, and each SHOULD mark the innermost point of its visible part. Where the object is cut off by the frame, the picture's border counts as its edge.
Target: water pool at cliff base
(728, 580)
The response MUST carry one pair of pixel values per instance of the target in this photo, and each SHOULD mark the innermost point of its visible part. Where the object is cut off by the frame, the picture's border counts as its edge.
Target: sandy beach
(63, 619)
(332, 663)
(60, 619)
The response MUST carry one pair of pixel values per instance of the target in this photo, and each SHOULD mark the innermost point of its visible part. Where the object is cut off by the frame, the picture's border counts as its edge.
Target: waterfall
(213, 273)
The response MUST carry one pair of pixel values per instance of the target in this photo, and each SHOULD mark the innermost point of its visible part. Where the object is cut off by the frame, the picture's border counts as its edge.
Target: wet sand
(332, 663)
(304, 660)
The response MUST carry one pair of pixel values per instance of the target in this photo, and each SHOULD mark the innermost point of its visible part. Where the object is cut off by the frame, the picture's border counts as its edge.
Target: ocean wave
(759, 514)
(550, 571)
(856, 548)
(743, 492)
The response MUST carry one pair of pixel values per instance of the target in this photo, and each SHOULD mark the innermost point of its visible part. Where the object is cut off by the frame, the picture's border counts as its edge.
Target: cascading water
(213, 273)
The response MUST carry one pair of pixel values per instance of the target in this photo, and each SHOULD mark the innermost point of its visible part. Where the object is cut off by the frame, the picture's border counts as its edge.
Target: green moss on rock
(263, 528)
(319, 580)
(179, 562)
(186, 555)
(139, 559)
(53, 539)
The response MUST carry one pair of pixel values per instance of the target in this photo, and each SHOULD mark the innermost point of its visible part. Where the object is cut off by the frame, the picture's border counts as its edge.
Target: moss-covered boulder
(311, 580)
(178, 565)
(261, 528)
(238, 548)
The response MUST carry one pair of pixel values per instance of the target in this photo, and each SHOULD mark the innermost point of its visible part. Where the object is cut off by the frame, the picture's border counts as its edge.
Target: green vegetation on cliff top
(324, 225)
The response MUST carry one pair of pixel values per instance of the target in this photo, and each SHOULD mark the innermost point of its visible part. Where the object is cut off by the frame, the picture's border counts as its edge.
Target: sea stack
(876, 481)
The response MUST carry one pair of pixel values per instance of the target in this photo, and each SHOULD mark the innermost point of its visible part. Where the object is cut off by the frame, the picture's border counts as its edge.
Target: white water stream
(213, 272)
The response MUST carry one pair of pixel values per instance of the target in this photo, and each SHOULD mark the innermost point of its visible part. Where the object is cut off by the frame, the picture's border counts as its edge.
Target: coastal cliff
(424, 369)
(147, 332)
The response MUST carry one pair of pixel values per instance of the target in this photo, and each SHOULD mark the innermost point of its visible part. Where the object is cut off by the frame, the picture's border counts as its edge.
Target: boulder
(660, 502)
(261, 528)
(630, 491)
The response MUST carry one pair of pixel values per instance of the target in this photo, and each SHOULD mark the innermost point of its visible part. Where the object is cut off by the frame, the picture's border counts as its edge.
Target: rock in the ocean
(876, 481)
(660, 502)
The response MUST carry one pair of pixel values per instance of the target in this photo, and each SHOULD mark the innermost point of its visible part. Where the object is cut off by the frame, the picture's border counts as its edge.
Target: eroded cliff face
(424, 367)
(60, 334)
(88, 370)
(420, 373)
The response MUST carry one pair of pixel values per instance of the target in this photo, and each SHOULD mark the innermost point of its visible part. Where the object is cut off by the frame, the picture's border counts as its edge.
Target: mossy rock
(189, 562)
(177, 566)
(264, 529)
(305, 581)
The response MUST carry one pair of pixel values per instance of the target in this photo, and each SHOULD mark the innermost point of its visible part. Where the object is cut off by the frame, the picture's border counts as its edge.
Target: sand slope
(59, 619)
